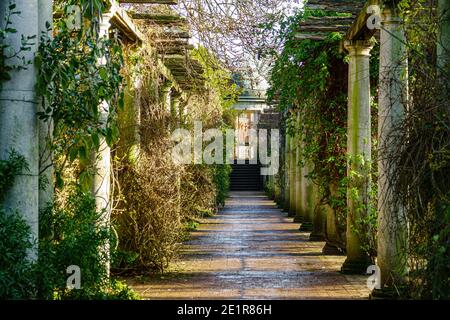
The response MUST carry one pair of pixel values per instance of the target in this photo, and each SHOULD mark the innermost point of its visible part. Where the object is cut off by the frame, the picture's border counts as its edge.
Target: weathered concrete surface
(252, 251)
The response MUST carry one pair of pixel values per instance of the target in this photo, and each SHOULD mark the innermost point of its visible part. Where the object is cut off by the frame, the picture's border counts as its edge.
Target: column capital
(105, 25)
(359, 47)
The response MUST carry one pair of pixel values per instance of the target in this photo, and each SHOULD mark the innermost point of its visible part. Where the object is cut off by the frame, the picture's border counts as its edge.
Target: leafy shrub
(73, 234)
(9, 169)
(269, 188)
(222, 182)
(16, 280)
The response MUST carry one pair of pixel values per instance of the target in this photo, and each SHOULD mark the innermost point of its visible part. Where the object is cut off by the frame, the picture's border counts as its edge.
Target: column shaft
(292, 152)
(286, 172)
(392, 236)
(358, 152)
(332, 237)
(101, 187)
(45, 127)
(18, 120)
(298, 174)
(319, 217)
(307, 198)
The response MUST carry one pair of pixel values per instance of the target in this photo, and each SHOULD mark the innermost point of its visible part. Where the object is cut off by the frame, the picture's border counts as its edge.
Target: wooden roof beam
(159, 19)
(323, 28)
(341, 6)
(316, 36)
(121, 20)
(150, 1)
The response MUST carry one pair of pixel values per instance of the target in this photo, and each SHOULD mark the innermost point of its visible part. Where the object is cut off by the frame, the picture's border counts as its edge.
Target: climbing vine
(10, 58)
(79, 81)
(311, 77)
(421, 158)
(80, 85)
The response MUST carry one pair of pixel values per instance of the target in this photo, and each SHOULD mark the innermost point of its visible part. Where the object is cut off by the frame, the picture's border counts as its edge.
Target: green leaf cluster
(79, 81)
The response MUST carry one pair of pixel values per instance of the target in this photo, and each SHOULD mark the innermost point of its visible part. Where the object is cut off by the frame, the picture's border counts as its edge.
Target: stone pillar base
(332, 250)
(316, 237)
(298, 219)
(306, 226)
(355, 266)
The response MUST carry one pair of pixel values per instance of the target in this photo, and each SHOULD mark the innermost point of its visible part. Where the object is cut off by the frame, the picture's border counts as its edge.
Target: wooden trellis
(171, 44)
(317, 28)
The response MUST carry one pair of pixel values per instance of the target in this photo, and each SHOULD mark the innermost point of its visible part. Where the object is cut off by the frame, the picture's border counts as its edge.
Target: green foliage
(15, 269)
(221, 175)
(79, 81)
(219, 81)
(11, 59)
(217, 77)
(269, 188)
(74, 234)
(9, 169)
(311, 77)
(419, 156)
(301, 71)
(16, 281)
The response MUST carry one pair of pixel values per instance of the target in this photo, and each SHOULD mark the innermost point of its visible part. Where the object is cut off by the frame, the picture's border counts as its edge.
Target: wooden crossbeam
(175, 35)
(316, 36)
(323, 28)
(175, 64)
(160, 19)
(341, 6)
(325, 24)
(150, 1)
(328, 21)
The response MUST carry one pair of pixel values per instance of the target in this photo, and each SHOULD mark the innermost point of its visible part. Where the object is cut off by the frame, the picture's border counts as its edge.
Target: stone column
(165, 92)
(392, 233)
(332, 237)
(292, 165)
(319, 217)
(298, 174)
(182, 111)
(175, 104)
(307, 202)
(358, 151)
(287, 172)
(46, 183)
(18, 120)
(101, 187)
(136, 143)
(282, 173)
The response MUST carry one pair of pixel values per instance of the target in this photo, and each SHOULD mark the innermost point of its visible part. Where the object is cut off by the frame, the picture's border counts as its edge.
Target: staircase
(246, 177)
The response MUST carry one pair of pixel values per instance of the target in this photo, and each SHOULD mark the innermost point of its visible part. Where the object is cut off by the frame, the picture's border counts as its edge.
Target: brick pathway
(252, 251)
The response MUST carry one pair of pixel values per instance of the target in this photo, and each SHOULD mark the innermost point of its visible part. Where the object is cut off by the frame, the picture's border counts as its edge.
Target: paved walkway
(252, 251)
